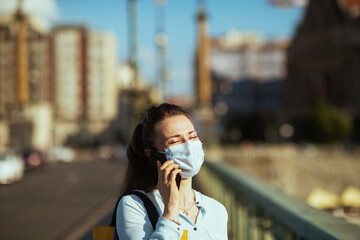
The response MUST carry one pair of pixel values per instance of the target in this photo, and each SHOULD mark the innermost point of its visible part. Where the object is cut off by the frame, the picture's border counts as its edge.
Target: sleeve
(224, 224)
(218, 219)
(132, 222)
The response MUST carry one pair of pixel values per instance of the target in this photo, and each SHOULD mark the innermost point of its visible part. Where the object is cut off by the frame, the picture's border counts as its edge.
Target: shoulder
(131, 202)
(212, 205)
(132, 220)
(145, 201)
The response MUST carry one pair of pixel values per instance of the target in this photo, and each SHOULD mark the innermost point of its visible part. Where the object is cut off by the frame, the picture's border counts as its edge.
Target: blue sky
(224, 15)
(252, 15)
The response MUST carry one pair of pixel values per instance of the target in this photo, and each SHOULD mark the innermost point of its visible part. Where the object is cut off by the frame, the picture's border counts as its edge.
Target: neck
(187, 196)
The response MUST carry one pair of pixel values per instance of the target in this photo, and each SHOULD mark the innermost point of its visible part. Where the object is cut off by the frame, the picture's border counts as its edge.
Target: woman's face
(174, 130)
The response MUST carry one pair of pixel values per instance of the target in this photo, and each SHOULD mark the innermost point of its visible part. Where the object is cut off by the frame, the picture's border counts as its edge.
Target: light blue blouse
(132, 222)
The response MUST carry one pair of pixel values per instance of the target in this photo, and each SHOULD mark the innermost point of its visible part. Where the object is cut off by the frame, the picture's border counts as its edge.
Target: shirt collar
(198, 197)
(199, 201)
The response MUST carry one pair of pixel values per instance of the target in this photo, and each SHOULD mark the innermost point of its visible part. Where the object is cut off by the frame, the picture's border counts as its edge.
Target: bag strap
(149, 206)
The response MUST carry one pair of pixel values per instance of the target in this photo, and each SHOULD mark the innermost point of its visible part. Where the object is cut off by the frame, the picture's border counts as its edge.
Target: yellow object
(185, 235)
(103, 233)
(22, 66)
(322, 199)
(351, 197)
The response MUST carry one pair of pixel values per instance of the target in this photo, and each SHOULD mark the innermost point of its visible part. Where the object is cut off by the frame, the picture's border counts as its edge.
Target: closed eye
(173, 141)
(193, 136)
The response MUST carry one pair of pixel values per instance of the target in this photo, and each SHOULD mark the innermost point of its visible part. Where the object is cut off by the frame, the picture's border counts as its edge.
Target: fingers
(167, 187)
(167, 170)
(166, 164)
(173, 174)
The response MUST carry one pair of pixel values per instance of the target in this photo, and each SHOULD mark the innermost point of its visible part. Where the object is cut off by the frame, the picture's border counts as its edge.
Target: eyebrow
(178, 135)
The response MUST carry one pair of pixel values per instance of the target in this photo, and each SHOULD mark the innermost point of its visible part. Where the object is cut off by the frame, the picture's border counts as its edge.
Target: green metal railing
(257, 211)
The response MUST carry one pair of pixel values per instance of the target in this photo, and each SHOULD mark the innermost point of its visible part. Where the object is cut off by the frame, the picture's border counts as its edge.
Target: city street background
(272, 87)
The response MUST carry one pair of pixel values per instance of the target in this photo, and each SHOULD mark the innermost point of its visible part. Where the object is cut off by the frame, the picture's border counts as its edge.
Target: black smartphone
(155, 156)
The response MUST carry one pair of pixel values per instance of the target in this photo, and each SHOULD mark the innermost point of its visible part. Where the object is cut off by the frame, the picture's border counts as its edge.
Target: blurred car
(61, 154)
(112, 152)
(11, 169)
(33, 159)
(105, 152)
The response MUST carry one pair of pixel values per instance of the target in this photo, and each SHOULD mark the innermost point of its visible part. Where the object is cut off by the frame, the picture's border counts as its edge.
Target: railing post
(230, 204)
(281, 232)
(254, 222)
(234, 215)
(248, 221)
(237, 213)
(243, 220)
(266, 225)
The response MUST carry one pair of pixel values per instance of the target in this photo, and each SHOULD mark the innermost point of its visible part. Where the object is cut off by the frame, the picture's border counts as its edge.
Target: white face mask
(188, 155)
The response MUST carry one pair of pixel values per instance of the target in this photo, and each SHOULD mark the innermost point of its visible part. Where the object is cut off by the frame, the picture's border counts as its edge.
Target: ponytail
(141, 173)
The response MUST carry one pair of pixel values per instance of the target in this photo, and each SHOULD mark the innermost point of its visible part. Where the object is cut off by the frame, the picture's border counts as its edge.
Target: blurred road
(60, 201)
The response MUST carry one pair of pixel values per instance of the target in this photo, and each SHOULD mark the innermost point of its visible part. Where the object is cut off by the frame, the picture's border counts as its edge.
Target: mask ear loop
(160, 152)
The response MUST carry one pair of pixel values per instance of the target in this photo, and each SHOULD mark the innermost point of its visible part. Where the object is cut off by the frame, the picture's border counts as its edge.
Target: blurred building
(70, 72)
(85, 80)
(102, 77)
(53, 84)
(246, 55)
(25, 82)
(324, 60)
(132, 99)
(248, 75)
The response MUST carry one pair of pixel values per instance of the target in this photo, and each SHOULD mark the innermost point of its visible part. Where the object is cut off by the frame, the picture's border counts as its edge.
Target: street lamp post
(161, 42)
(132, 33)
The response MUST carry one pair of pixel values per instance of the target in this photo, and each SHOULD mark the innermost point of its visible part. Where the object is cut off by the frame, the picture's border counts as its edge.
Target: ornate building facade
(324, 60)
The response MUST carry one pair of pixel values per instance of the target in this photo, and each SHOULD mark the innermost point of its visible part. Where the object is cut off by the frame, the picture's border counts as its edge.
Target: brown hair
(141, 172)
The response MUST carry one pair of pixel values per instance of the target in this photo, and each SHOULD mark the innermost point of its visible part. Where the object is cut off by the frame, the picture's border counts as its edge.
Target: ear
(147, 152)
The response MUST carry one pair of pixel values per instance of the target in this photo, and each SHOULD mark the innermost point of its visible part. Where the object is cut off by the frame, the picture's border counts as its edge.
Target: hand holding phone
(155, 156)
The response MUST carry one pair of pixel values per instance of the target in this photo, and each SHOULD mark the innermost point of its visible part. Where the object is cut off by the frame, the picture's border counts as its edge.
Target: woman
(184, 213)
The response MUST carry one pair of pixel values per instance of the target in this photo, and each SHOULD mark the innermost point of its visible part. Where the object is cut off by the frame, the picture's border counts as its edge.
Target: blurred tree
(329, 123)
(140, 100)
(132, 105)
